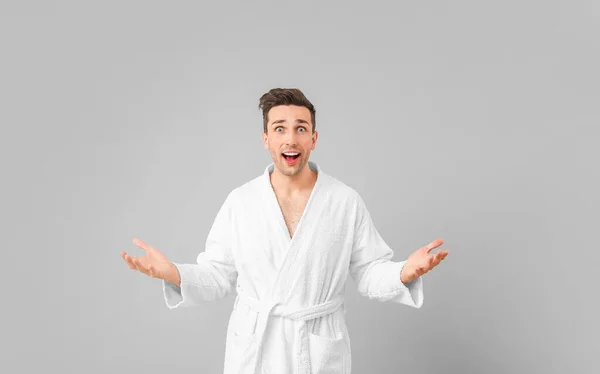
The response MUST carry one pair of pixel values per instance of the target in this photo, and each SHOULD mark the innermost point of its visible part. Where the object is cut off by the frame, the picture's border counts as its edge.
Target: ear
(265, 140)
(315, 136)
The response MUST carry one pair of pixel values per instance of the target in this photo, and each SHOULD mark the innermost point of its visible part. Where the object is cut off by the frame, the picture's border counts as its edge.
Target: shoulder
(243, 193)
(342, 193)
(249, 188)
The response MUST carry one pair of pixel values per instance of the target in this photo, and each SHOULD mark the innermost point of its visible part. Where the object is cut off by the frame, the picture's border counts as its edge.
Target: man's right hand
(153, 264)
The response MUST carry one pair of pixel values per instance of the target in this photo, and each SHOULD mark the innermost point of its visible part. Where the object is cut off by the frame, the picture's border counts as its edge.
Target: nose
(291, 138)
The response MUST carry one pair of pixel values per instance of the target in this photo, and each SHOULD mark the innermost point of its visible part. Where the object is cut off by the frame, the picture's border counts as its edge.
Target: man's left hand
(421, 261)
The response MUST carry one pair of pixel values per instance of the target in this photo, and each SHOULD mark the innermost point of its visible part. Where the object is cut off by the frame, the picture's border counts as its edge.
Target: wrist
(172, 275)
(404, 278)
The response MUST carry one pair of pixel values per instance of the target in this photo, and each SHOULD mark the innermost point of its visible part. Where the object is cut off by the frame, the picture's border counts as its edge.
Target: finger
(124, 256)
(434, 244)
(146, 268)
(140, 266)
(141, 244)
(442, 254)
(429, 263)
(130, 262)
(438, 258)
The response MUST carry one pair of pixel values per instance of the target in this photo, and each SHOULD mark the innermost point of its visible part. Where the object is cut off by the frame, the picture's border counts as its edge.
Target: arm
(213, 275)
(378, 277)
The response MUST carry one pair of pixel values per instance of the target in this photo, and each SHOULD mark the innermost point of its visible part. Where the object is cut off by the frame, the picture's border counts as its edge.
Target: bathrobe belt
(301, 315)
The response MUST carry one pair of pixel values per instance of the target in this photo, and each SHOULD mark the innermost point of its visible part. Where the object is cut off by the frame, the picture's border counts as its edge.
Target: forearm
(193, 284)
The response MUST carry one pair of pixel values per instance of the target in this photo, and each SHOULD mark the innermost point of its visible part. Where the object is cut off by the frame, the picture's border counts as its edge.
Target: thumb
(141, 244)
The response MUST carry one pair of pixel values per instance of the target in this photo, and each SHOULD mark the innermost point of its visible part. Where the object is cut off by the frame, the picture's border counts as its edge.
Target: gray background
(472, 121)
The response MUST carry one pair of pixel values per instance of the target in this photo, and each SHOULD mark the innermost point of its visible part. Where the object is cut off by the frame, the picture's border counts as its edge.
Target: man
(287, 241)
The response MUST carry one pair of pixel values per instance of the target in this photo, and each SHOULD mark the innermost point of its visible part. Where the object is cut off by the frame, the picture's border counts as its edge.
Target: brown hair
(284, 96)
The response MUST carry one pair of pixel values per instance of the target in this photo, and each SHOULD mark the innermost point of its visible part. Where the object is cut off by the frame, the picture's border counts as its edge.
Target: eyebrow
(283, 121)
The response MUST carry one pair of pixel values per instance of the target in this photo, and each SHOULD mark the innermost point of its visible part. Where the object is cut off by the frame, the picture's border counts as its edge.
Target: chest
(292, 209)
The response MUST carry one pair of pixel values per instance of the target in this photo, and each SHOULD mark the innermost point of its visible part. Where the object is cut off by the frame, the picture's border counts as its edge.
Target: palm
(421, 261)
(153, 263)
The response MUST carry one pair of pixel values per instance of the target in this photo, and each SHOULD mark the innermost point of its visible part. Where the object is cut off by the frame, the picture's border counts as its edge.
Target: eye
(277, 128)
(302, 128)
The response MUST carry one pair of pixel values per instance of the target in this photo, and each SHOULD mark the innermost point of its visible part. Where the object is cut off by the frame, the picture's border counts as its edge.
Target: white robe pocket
(327, 355)
(241, 345)
(241, 350)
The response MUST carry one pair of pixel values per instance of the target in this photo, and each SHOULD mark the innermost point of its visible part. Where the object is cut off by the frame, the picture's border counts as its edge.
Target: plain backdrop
(472, 121)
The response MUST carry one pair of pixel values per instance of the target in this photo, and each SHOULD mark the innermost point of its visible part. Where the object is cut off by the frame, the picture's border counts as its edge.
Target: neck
(295, 183)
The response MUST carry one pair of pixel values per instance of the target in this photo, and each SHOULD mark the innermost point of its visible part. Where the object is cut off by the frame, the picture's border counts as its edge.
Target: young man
(287, 241)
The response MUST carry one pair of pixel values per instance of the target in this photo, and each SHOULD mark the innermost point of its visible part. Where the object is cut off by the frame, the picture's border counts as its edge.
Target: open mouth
(290, 157)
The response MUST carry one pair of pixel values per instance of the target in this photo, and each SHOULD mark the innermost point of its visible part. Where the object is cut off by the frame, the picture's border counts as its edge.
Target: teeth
(291, 154)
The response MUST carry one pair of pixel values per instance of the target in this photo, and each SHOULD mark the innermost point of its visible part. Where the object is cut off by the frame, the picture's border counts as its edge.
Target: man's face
(289, 130)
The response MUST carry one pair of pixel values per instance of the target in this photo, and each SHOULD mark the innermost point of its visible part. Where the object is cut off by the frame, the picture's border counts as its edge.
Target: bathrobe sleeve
(378, 277)
(214, 274)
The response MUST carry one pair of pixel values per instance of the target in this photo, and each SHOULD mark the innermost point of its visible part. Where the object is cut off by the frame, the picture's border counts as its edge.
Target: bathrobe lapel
(288, 251)
(288, 247)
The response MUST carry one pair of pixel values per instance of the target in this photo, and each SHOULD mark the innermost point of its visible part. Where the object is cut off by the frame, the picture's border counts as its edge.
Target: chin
(291, 170)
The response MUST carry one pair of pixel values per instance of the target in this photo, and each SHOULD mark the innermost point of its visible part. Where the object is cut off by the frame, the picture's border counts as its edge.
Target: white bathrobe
(288, 315)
